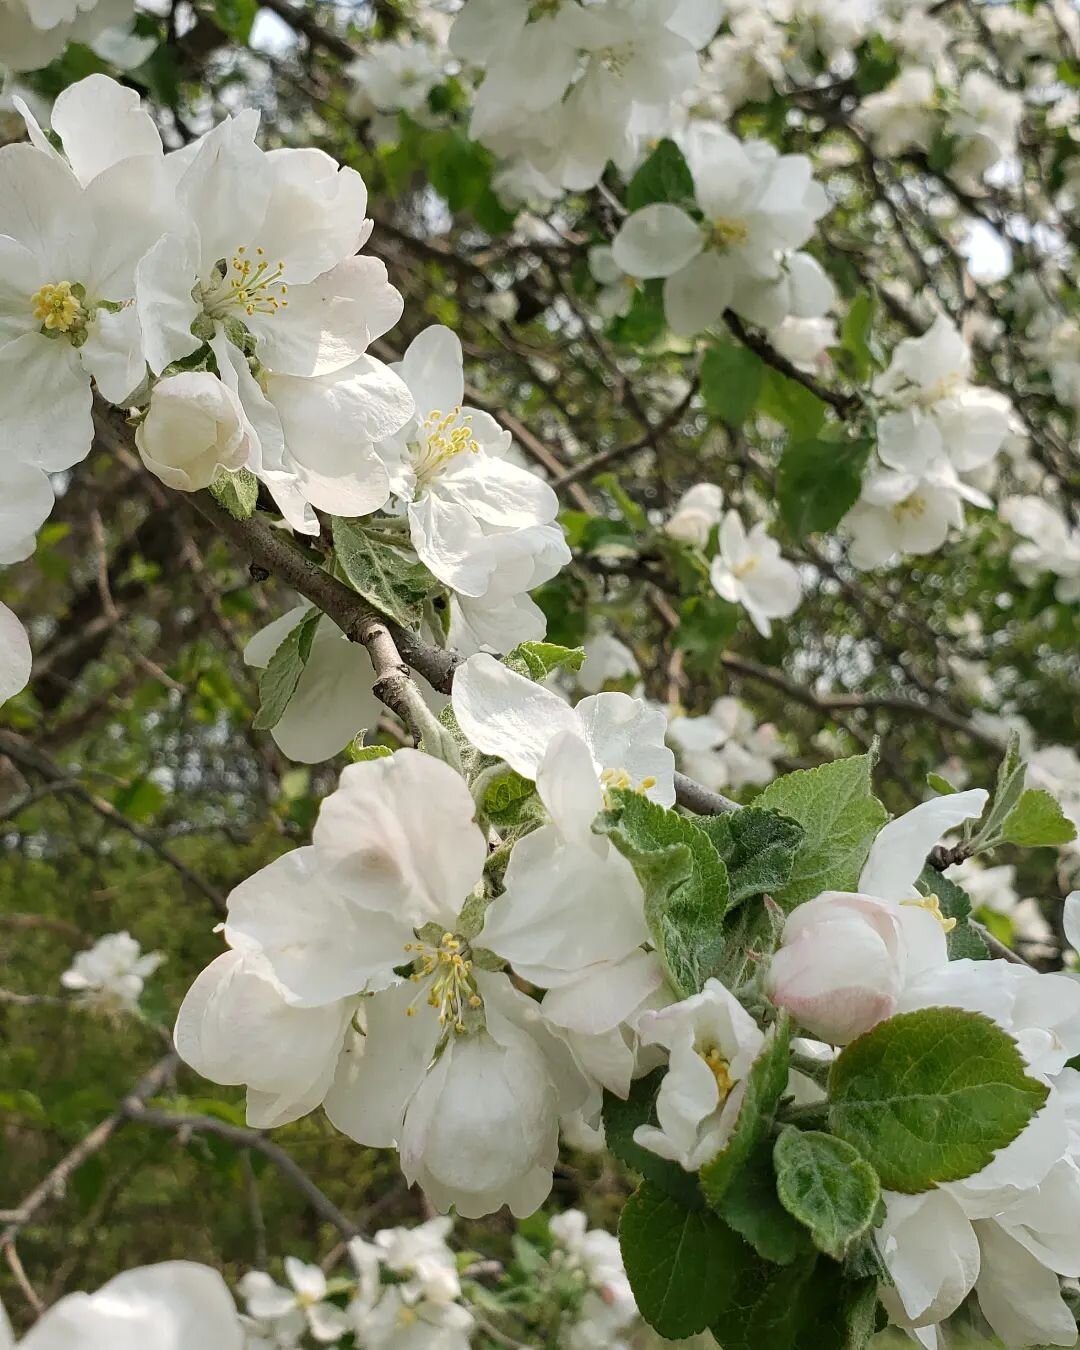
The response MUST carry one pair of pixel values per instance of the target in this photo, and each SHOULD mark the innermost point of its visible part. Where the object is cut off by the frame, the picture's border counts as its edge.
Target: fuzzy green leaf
(388, 578)
(825, 1184)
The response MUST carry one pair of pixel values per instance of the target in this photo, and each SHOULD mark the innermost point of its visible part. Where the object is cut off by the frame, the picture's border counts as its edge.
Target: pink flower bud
(840, 966)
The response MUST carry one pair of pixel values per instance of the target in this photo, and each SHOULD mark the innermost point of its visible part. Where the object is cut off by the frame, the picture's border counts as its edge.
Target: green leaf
(236, 492)
(765, 1085)
(664, 177)
(646, 321)
(818, 482)
(855, 336)
(731, 378)
(791, 404)
(388, 578)
(681, 1263)
(509, 798)
(538, 659)
(632, 513)
(752, 1207)
(941, 786)
(1036, 821)
(758, 849)
(1008, 789)
(621, 1119)
(140, 800)
(684, 880)
(930, 1096)
(825, 1184)
(359, 753)
(808, 1305)
(835, 805)
(278, 682)
(236, 17)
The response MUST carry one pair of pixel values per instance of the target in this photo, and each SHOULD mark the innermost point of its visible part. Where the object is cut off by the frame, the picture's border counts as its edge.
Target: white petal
(45, 402)
(626, 733)
(695, 297)
(899, 852)
(432, 368)
(657, 241)
(101, 122)
(319, 946)
(505, 714)
(15, 656)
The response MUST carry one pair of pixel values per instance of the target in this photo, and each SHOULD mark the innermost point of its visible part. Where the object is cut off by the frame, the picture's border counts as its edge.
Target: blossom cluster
(216, 294)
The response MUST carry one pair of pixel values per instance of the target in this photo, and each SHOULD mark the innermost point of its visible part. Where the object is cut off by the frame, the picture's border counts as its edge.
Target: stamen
(57, 307)
(720, 1068)
(443, 436)
(446, 974)
(932, 905)
(727, 231)
(255, 286)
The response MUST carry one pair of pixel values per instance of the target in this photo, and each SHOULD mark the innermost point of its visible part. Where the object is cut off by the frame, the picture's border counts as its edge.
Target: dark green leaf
(751, 1206)
(930, 1096)
(731, 378)
(681, 1263)
(818, 482)
(825, 1184)
(664, 177)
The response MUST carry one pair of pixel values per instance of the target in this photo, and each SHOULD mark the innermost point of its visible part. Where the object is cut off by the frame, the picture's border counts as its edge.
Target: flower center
(727, 231)
(932, 905)
(619, 779)
(616, 59)
(720, 1069)
(446, 972)
(911, 508)
(443, 436)
(58, 306)
(252, 284)
(744, 569)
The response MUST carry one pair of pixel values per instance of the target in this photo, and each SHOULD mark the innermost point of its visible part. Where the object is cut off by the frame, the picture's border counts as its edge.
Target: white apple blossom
(171, 1306)
(617, 289)
(394, 1324)
(902, 513)
(32, 34)
(846, 960)
(396, 76)
(333, 700)
(726, 747)
(1051, 545)
(696, 513)
(505, 714)
(608, 1308)
(749, 571)
(65, 311)
(506, 614)
(268, 1301)
(903, 114)
(984, 122)
(805, 341)
(712, 1042)
(465, 501)
(940, 420)
(194, 429)
(112, 973)
(420, 1255)
(758, 206)
(606, 658)
(571, 920)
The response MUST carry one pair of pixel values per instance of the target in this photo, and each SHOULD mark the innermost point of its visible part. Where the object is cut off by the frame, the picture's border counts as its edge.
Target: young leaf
(930, 1096)
(752, 1207)
(765, 1085)
(681, 1263)
(818, 482)
(685, 884)
(278, 681)
(236, 492)
(791, 404)
(826, 1185)
(835, 805)
(538, 659)
(1008, 788)
(731, 377)
(621, 1119)
(758, 849)
(664, 177)
(1036, 821)
(388, 578)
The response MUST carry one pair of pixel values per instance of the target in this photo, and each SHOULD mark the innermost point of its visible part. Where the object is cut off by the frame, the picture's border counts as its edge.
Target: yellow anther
(932, 905)
(57, 307)
(911, 508)
(727, 231)
(253, 286)
(443, 436)
(720, 1069)
(447, 978)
